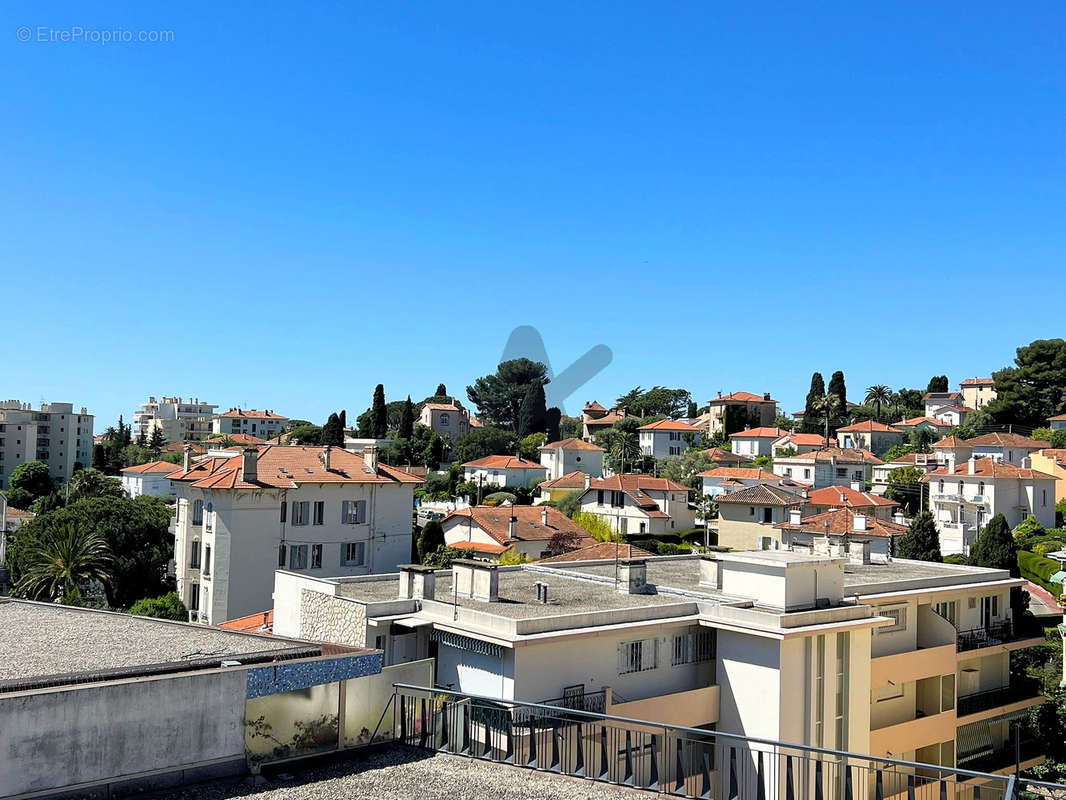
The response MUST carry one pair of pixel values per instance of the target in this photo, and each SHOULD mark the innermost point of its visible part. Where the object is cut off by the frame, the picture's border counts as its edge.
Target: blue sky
(289, 203)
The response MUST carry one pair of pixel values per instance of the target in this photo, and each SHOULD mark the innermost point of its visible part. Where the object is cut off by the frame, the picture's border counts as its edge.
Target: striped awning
(467, 643)
(973, 741)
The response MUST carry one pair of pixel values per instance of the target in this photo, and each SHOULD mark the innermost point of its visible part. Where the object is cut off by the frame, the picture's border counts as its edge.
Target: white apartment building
(965, 496)
(831, 466)
(667, 437)
(571, 455)
(264, 424)
(180, 420)
(503, 471)
(640, 504)
(831, 648)
(755, 442)
(54, 434)
(316, 510)
(150, 479)
(492, 530)
(869, 435)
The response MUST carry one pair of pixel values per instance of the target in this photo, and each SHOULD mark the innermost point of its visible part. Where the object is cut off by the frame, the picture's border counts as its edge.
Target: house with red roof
(634, 503)
(596, 419)
(1057, 422)
(722, 480)
(830, 466)
(489, 531)
(830, 498)
(264, 424)
(317, 511)
(977, 392)
(757, 410)
(667, 437)
(794, 443)
(571, 455)
(869, 435)
(937, 426)
(862, 537)
(504, 471)
(754, 442)
(150, 479)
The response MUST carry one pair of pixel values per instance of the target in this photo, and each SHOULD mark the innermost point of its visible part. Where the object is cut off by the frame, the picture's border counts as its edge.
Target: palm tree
(878, 394)
(828, 404)
(624, 445)
(66, 558)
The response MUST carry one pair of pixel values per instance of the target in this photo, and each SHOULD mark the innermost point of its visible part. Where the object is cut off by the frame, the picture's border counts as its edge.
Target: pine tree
(142, 439)
(407, 419)
(995, 547)
(379, 425)
(937, 384)
(442, 390)
(526, 414)
(540, 409)
(157, 441)
(553, 417)
(921, 542)
(837, 387)
(810, 410)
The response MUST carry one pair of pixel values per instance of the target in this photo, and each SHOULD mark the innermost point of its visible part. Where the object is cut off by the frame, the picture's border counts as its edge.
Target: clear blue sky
(289, 203)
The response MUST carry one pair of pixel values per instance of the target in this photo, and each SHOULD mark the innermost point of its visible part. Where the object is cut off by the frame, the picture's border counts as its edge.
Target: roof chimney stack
(325, 457)
(588, 480)
(794, 516)
(858, 522)
(250, 465)
(544, 516)
(971, 465)
(186, 457)
(632, 576)
(512, 526)
(370, 456)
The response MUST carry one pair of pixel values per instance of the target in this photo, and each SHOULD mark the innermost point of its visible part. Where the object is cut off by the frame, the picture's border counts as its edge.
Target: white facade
(153, 484)
(264, 424)
(978, 392)
(179, 420)
(493, 475)
(562, 458)
(627, 516)
(752, 444)
(817, 473)
(54, 434)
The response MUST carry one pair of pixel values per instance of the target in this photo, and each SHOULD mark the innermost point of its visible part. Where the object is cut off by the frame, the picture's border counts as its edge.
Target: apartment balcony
(912, 665)
(1001, 759)
(1004, 635)
(892, 740)
(1021, 693)
(693, 708)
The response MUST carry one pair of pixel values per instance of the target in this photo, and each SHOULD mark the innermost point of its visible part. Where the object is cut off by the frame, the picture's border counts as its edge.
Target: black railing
(989, 635)
(1020, 688)
(683, 762)
(1006, 755)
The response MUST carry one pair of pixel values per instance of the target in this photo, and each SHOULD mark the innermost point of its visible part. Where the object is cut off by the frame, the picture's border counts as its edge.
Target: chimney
(417, 582)
(512, 526)
(632, 576)
(765, 395)
(186, 457)
(858, 522)
(971, 465)
(479, 580)
(859, 552)
(794, 516)
(370, 456)
(856, 485)
(544, 516)
(250, 465)
(898, 517)
(710, 572)
(325, 458)
(588, 480)
(719, 393)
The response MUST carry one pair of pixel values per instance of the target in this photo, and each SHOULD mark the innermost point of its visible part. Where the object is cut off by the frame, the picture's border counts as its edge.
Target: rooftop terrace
(41, 639)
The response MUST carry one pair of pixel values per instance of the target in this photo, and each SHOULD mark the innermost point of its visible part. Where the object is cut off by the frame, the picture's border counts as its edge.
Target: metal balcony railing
(1020, 688)
(988, 636)
(671, 760)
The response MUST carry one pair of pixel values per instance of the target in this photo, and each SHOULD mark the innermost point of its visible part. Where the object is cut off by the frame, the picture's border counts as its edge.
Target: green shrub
(670, 549)
(957, 558)
(169, 606)
(1039, 570)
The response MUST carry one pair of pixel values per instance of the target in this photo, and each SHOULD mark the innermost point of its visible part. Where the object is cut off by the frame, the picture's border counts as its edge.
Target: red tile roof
(607, 420)
(635, 482)
(914, 421)
(986, 468)
(1008, 440)
(846, 497)
(599, 552)
(571, 480)
(504, 462)
(282, 467)
(760, 433)
(740, 397)
(741, 473)
(261, 622)
(153, 468)
(806, 439)
(594, 406)
(1057, 418)
(669, 425)
(18, 513)
(951, 443)
(496, 522)
(869, 426)
(762, 494)
(978, 382)
(571, 444)
(846, 455)
(481, 547)
(252, 414)
(723, 456)
(236, 438)
(842, 521)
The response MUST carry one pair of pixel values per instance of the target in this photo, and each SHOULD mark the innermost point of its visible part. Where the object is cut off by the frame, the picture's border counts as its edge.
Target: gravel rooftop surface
(396, 773)
(42, 639)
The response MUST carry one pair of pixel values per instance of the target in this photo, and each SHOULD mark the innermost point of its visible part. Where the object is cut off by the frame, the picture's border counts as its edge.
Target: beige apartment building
(178, 419)
(978, 392)
(824, 646)
(55, 434)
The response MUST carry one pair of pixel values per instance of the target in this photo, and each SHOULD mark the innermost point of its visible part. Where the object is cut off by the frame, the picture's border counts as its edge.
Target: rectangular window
(843, 645)
(316, 556)
(353, 512)
(618, 499)
(301, 512)
(675, 450)
(693, 648)
(194, 597)
(320, 512)
(352, 554)
(284, 510)
(638, 656)
(298, 556)
(194, 554)
(899, 617)
(948, 610)
(819, 694)
(282, 551)
(207, 559)
(599, 497)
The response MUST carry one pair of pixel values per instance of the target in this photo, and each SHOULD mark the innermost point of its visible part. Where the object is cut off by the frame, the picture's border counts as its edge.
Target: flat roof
(43, 639)
(399, 773)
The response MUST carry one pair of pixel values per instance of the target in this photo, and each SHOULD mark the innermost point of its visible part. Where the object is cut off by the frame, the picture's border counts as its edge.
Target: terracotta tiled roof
(599, 552)
(762, 495)
(282, 467)
(869, 426)
(961, 409)
(153, 468)
(607, 420)
(481, 547)
(179, 447)
(236, 438)
(442, 406)
(1057, 418)
(571, 480)
(846, 455)
(740, 397)
(571, 444)
(632, 481)
(262, 622)
(669, 425)
(760, 433)
(914, 421)
(252, 414)
(594, 406)
(951, 443)
(986, 468)
(841, 521)
(806, 439)
(1056, 455)
(200, 469)
(741, 473)
(949, 396)
(496, 522)
(18, 513)
(723, 456)
(846, 497)
(978, 382)
(1008, 440)
(504, 462)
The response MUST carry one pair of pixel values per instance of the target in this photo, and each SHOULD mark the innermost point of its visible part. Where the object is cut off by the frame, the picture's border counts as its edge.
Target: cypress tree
(344, 418)
(810, 410)
(837, 387)
(332, 432)
(430, 539)
(407, 419)
(921, 542)
(691, 413)
(442, 390)
(540, 409)
(379, 425)
(995, 547)
(938, 384)
(157, 441)
(553, 418)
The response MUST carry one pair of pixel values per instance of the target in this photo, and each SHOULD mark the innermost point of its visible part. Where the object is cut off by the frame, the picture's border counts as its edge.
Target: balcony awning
(412, 622)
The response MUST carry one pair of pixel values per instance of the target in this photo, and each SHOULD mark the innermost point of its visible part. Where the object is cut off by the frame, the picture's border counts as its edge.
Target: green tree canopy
(938, 384)
(656, 401)
(482, 442)
(430, 539)
(442, 390)
(810, 410)
(157, 441)
(89, 483)
(840, 389)
(499, 396)
(905, 487)
(29, 481)
(995, 547)
(1035, 388)
(169, 606)
(686, 468)
(379, 417)
(879, 396)
(921, 542)
(58, 565)
(332, 433)
(407, 419)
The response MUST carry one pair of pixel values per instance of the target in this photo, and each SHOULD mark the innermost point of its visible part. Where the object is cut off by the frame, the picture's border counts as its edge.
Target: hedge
(1039, 570)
